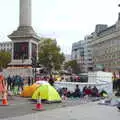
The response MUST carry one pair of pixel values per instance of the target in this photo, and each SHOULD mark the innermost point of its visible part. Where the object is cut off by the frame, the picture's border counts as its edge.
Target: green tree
(72, 65)
(49, 54)
(5, 58)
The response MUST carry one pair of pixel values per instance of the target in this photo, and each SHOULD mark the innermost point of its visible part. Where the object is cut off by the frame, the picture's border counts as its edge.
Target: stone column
(25, 13)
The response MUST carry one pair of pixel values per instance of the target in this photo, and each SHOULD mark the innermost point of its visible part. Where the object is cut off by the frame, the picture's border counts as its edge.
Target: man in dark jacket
(51, 80)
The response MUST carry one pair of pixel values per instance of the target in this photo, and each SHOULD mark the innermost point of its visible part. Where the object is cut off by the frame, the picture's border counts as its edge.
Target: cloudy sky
(66, 20)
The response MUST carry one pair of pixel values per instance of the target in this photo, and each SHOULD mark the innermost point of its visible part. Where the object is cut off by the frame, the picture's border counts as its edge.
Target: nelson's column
(25, 43)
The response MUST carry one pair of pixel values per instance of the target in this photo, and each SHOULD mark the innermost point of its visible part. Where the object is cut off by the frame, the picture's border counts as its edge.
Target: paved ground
(21, 109)
(21, 106)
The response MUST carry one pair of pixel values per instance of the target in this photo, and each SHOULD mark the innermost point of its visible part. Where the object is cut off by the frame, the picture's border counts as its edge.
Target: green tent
(46, 92)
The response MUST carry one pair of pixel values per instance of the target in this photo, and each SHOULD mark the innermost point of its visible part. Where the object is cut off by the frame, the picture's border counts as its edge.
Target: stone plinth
(24, 39)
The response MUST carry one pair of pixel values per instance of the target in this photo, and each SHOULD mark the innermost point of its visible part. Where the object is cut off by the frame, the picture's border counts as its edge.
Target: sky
(66, 20)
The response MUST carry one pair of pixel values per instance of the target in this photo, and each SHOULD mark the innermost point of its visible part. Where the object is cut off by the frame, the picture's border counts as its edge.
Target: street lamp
(34, 65)
(50, 63)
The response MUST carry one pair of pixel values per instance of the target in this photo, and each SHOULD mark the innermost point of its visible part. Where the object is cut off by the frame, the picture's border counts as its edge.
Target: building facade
(78, 54)
(105, 46)
(88, 63)
(6, 46)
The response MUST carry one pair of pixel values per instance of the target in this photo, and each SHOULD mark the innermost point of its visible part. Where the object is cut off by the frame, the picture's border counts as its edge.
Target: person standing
(9, 83)
(51, 80)
(21, 83)
(29, 81)
(2, 84)
(32, 80)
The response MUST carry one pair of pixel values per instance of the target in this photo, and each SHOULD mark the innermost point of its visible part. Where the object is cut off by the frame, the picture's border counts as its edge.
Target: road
(19, 106)
(22, 108)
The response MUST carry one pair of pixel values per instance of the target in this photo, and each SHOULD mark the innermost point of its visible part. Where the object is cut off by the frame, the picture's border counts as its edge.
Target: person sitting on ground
(65, 92)
(76, 92)
(69, 94)
(95, 92)
(61, 91)
(88, 91)
(84, 89)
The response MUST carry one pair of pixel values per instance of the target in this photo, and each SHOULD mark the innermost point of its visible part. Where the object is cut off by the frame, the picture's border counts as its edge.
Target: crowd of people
(15, 81)
(16, 84)
(89, 91)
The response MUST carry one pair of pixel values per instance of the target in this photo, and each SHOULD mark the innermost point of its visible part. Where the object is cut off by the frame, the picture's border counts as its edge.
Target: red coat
(2, 86)
(88, 91)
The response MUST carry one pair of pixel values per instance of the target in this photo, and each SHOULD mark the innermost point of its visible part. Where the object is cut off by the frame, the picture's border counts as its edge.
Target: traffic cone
(39, 106)
(4, 100)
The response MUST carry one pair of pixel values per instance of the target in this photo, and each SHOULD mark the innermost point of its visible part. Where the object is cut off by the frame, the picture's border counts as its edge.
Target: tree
(49, 54)
(72, 65)
(5, 58)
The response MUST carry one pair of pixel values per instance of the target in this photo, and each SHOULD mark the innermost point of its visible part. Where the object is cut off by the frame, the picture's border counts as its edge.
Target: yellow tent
(29, 90)
(46, 92)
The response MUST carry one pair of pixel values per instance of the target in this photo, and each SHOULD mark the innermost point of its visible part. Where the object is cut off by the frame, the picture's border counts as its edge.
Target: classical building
(78, 54)
(6, 46)
(105, 46)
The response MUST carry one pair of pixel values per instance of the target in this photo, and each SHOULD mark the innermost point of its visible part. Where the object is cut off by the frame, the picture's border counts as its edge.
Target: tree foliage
(73, 65)
(5, 58)
(49, 54)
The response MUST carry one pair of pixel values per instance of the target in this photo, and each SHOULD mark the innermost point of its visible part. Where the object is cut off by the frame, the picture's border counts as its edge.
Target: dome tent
(47, 93)
(29, 90)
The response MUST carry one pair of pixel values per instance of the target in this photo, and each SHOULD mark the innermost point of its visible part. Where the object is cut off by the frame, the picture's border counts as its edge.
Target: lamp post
(35, 68)
(50, 63)
(34, 65)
